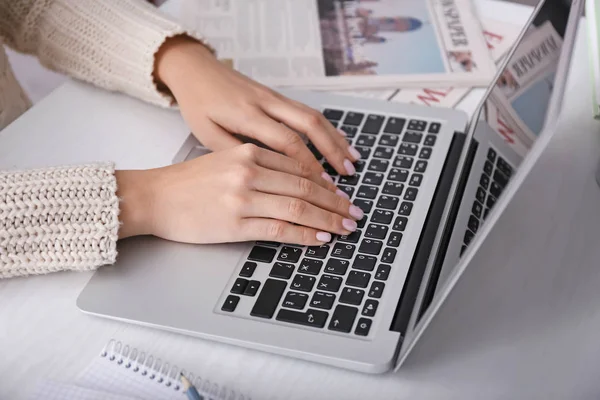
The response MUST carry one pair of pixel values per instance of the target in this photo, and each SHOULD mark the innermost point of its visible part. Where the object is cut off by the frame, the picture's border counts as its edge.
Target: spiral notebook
(121, 372)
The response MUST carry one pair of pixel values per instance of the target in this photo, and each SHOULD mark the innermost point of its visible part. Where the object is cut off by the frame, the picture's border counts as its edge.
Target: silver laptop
(428, 182)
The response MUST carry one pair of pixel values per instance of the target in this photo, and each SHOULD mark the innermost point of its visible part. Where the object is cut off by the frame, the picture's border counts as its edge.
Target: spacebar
(268, 299)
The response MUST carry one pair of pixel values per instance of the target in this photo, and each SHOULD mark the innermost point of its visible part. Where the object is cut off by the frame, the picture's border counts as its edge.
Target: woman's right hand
(240, 194)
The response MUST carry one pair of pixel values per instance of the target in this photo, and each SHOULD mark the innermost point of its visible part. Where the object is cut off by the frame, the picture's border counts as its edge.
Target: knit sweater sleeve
(58, 219)
(110, 43)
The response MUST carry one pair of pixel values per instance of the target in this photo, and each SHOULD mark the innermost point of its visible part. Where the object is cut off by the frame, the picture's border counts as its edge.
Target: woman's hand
(217, 101)
(240, 194)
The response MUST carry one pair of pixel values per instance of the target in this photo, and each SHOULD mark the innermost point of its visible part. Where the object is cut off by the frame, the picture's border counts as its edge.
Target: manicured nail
(327, 177)
(343, 194)
(356, 212)
(341, 132)
(349, 167)
(354, 153)
(324, 237)
(349, 224)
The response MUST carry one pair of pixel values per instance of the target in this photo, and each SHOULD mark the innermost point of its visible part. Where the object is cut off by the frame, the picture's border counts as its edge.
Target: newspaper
(347, 44)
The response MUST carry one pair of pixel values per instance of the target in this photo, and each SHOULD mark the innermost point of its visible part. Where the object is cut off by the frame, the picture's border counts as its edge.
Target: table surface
(531, 333)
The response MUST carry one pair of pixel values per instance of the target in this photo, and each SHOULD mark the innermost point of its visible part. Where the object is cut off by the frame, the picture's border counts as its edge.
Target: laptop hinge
(418, 264)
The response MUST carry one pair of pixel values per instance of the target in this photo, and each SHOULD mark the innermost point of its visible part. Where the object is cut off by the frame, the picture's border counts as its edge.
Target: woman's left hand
(217, 101)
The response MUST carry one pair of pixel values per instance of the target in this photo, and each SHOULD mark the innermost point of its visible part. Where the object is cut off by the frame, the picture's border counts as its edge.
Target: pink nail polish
(349, 167)
(356, 212)
(343, 194)
(354, 153)
(324, 237)
(349, 224)
(341, 132)
(327, 177)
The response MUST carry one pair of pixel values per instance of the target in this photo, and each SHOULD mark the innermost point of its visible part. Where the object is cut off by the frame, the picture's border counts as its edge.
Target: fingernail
(349, 167)
(354, 153)
(356, 212)
(343, 194)
(327, 177)
(349, 224)
(341, 132)
(324, 237)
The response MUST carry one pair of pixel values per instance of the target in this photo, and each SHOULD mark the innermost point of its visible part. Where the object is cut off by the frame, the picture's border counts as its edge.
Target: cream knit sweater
(67, 218)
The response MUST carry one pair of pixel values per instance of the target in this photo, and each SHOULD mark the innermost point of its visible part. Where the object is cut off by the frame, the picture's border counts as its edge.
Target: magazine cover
(347, 44)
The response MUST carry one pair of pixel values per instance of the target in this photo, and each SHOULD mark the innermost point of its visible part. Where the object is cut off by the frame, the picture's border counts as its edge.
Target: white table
(526, 326)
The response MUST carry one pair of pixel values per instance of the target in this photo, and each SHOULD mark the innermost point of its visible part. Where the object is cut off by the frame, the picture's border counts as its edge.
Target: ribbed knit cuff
(56, 219)
(110, 43)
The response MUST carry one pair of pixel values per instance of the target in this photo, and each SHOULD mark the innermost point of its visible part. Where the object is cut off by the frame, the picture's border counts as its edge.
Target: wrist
(134, 191)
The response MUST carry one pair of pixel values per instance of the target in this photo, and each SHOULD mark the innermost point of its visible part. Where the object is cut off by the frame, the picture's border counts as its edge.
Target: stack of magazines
(429, 52)
(593, 19)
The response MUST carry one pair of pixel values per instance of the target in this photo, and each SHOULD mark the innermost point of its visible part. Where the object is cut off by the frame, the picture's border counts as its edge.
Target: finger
(282, 232)
(279, 162)
(282, 184)
(214, 137)
(298, 211)
(312, 123)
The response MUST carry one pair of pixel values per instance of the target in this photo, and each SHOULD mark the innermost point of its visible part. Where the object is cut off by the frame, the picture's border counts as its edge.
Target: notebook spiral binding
(147, 365)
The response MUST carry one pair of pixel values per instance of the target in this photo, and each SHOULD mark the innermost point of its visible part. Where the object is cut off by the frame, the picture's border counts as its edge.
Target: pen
(190, 390)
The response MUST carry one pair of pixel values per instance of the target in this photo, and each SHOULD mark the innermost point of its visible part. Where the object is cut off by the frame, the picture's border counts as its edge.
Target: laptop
(429, 182)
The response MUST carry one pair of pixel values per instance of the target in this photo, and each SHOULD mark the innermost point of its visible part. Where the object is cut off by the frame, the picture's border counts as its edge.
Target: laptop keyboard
(494, 178)
(338, 286)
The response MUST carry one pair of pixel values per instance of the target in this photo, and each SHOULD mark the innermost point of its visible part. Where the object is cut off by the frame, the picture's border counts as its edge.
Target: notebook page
(52, 390)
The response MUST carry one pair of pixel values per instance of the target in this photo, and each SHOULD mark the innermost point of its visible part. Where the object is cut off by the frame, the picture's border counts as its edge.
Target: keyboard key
(411, 194)
(330, 283)
(329, 169)
(367, 192)
(369, 246)
(350, 131)
(358, 279)
(417, 125)
(375, 231)
(430, 140)
(480, 195)
(349, 190)
(337, 267)
(268, 299)
(491, 200)
(343, 250)
(248, 269)
(388, 202)
(352, 296)
(364, 262)
(491, 155)
(462, 249)
(495, 189)
(405, 208)
(370, 308)
(322, 300)
(477, 209)
(304, 283)
(373, 124)
(389, 255)
(252, 288)
(408, 149)
(361, 223)
(425, 153)
(314, 318)
(282, 270)
(360, 165)
(412, 137)
(295, 300)
(485, 213)
(262, 254)
(239, 286)
(290, 254)
(473, 224)
(231, 303)
(373, 178)
(366, 140)
(353, 118)
(383, 272)
(382, 216)
(310, 266)
(484, 181)
(317, 251)
(376, 289)
(335, 115)
(468, 237)
(313, 149)
(504, 167)
(349, 180)
(421, 166)
(394, 239)
(365, 152)
(379, 165)
(403, 162)
(343, 318)
(488, 168)
(435, 127)
(384, 152)
(354, 237)
(388, 140)
(400, 224)
(363, 327)
(394, 125)
(364, 205)
(398, 175)
(269, 244)
(500, 178)
(393, 188)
